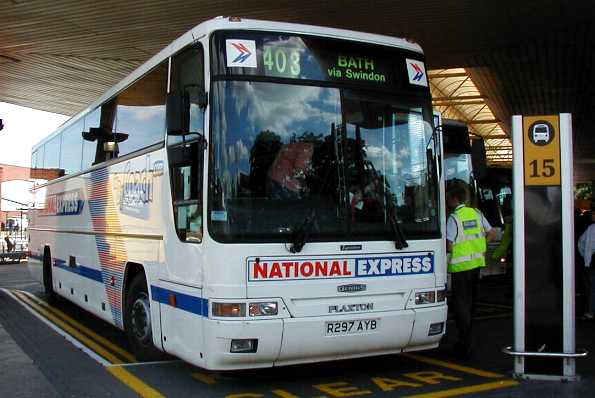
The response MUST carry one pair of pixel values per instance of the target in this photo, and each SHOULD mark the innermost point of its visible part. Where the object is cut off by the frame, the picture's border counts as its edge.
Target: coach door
(185, 147)
(182, 280)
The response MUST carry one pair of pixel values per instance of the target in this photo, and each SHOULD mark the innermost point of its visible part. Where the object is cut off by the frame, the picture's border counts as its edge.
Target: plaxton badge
(327, 267)
(351, 307)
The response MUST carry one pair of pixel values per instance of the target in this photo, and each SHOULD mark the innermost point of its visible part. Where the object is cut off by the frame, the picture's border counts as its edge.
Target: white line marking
(39, 300)
(61, 332)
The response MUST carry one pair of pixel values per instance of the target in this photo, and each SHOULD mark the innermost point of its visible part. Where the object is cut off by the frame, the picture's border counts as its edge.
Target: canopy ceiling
(527, 57)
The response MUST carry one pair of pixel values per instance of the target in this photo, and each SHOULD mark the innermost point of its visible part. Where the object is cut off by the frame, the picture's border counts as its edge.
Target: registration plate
(336, 328)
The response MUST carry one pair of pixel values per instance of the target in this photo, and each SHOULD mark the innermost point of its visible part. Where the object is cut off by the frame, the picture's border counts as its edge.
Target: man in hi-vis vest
(467, 234)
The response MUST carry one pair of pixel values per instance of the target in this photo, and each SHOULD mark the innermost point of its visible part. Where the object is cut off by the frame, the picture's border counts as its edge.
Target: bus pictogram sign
(541, 150)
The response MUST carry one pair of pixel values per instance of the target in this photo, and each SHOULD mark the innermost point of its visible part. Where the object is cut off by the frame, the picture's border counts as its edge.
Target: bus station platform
(57, 349)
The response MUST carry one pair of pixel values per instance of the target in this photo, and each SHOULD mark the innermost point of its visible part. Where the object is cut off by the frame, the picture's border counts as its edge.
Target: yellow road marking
(453, 366)
(205, 378)
(100, 339)
(133, 382)
(455, 392)
(136, 384)
(70, 330)
(284, 394)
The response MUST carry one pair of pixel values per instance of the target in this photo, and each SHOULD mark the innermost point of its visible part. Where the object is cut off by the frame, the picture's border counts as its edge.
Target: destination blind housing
(303, 57)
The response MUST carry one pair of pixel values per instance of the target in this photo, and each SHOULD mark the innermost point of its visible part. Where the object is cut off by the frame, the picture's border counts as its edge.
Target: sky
(23, 128)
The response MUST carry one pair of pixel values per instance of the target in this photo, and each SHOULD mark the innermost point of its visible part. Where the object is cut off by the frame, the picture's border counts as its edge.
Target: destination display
(315, 58)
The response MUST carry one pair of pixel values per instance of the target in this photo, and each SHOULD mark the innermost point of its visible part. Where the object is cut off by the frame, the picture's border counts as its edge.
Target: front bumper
(289, 341)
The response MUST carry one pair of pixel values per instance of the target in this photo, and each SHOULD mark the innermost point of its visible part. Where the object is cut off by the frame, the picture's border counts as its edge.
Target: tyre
(137, 320)
(48, 284)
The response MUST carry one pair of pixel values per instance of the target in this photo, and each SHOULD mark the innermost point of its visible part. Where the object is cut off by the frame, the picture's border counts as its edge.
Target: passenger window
(89, 147)
(133, 120)
(99, 135)
(40, 156)
(52, 153)
(72, 147)
(186, 149)
(34, 160)
(140, 111)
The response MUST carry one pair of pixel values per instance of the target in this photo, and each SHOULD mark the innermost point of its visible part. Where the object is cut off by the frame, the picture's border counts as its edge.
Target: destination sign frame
(312, 58)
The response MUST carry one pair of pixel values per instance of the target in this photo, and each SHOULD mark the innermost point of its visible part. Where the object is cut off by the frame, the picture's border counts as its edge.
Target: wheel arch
(130, 272)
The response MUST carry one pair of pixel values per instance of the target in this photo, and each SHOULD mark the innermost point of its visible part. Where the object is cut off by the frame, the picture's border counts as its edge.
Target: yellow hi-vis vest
(470, 245)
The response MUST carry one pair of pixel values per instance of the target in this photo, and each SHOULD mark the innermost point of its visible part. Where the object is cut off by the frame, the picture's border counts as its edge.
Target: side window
(40, 156)
(186, 150)
(99, 131)
(140, 111)
(72, 147)
(34, 160)
(52, 154)
(132, 120)
(90, 146)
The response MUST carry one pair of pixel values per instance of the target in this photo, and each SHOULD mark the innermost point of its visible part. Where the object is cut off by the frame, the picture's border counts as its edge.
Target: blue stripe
(81, 270)
(185, 302)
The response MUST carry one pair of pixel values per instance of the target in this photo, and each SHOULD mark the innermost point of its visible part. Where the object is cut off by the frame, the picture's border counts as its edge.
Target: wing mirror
(178, 108)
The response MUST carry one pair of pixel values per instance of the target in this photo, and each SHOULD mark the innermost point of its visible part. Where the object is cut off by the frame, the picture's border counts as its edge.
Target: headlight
(229, 309)
(244, 345)
(425, 298)
(440, 295)
(263, 309)
(436, 328)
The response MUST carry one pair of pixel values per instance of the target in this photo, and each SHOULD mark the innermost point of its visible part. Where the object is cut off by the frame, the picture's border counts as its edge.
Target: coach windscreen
(335, 132)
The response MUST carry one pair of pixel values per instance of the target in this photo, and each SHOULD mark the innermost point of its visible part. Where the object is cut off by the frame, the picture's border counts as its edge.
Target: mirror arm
(203, 99)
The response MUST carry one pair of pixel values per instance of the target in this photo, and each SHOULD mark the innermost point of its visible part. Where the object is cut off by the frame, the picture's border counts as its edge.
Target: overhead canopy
(455, 96)
(523, 57)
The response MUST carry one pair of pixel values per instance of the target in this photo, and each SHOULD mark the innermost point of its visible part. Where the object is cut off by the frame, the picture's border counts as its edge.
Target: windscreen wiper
(400, 240)
(302, 233)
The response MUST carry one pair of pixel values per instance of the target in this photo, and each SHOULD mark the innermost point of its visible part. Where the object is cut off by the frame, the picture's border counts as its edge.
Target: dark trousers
(585, 281)
(465, 288)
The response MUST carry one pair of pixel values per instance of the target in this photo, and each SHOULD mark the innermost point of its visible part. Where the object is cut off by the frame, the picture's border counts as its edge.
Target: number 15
(547, 168)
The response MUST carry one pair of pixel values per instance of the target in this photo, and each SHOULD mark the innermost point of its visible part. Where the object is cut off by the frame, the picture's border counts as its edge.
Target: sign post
(544, 316)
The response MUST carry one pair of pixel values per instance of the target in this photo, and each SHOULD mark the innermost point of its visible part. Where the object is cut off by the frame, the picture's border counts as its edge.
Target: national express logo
(240, 53)
(417, 72)
(266, 269)
(66, 203)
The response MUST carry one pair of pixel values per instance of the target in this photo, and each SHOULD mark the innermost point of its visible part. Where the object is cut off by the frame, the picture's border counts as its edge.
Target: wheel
(137, 321)
(48, 284)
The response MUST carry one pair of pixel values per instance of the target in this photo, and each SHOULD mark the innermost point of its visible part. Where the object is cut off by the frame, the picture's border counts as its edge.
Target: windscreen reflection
(282, 153)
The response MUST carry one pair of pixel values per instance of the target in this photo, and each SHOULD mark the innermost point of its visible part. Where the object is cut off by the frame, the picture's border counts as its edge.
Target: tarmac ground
(59, 350)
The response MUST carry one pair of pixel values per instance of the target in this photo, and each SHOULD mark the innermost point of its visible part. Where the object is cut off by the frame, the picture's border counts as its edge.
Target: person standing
(467, 234)
(9, 244)
(586, 247)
